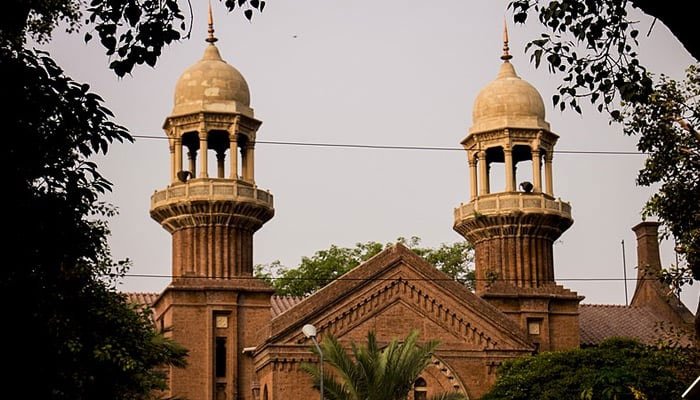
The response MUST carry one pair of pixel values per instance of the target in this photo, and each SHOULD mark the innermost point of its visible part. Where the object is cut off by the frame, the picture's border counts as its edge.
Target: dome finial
(211, 39)
(506, 55)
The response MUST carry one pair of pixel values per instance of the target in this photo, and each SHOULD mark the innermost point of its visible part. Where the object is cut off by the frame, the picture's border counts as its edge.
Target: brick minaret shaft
(513, 245)
(513, 231)
(213, 238)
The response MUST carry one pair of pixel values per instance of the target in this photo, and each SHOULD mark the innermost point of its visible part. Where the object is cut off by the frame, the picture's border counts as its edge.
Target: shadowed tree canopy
(132, 32)
(456, 260)
(619, 369)
(73, 336)
(594, 44)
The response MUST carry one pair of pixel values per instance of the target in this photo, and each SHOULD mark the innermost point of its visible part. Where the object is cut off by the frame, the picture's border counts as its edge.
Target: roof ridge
(155, 293)
(608, 305)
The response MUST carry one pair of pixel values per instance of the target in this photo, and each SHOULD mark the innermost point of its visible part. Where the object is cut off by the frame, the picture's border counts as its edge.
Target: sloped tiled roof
(280, 304)
(601, 321)
(144, 299)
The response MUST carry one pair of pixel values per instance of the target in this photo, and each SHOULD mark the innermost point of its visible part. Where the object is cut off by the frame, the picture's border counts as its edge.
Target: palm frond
(372, 373)
(449, 396)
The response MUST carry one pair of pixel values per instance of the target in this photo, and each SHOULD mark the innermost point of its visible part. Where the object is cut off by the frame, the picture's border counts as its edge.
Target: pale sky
(393, 72)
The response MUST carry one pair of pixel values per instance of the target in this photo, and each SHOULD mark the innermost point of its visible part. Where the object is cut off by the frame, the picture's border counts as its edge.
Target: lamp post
(310, 332)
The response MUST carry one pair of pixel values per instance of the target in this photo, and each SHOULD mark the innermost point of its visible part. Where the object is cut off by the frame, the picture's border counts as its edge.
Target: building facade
(246, 343)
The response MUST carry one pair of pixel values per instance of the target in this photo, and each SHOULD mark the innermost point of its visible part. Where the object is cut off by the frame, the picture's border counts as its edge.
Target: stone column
(203, 150)
(250, 162)
(548, 173)
(220, 158)
(173, 170)
(233, 150)
(488, 177)
(510, 177)
(178, 155)
(471, 159)
(483, 174)
(536, 171)
(192, 157)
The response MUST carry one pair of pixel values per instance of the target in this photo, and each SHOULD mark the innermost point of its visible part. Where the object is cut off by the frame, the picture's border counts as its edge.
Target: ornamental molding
(350, 316)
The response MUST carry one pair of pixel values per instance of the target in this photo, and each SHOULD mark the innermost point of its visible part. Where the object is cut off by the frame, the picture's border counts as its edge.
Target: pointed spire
(506, 55)
(211, 39)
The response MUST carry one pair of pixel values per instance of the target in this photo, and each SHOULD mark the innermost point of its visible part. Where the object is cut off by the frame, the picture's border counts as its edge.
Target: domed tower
(513, 231)
(212, 207)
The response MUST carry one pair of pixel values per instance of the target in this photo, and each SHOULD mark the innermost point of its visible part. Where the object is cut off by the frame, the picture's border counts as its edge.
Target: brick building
(246, 343)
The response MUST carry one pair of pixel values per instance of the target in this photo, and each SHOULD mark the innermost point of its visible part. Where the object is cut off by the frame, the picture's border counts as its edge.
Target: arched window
(265, 393)
(420, 389)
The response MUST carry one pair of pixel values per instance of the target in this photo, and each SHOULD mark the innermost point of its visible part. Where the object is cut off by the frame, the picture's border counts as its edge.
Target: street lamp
(310, 332)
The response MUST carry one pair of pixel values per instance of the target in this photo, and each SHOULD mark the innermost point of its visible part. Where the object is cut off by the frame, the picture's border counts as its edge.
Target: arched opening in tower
(218, 143)
(496, 169)
(522, 166)
(190, 146)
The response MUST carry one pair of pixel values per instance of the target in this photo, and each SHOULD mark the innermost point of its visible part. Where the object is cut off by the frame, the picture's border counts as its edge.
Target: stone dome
(508, 102)
(212, 85)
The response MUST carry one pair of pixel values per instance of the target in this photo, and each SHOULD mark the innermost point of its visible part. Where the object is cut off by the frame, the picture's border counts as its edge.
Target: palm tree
(374, 374)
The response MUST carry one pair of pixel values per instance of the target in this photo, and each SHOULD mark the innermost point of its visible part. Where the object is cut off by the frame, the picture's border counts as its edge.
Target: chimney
(648, 258)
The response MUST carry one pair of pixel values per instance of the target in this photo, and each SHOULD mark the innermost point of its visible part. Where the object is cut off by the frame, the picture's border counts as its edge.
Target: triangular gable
(398, 281)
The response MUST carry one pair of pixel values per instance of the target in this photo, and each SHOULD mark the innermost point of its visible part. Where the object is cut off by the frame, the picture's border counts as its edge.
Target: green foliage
(456, 260)
(132, 32)
(618, 369)
(665, 127)
(373, 373)
(72, 336)
(594, 44)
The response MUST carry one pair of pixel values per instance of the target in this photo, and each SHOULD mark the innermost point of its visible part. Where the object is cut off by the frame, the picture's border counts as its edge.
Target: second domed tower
(513, 231)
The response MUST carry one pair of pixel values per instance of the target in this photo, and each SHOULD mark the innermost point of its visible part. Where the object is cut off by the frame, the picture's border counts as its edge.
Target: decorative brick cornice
(214, 121)
(510, 214)
(209, 202)
(414, 295)
(514, 135)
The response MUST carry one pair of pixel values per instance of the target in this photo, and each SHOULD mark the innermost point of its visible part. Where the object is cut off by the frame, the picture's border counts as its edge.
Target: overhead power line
(398, 147)
(374, 279)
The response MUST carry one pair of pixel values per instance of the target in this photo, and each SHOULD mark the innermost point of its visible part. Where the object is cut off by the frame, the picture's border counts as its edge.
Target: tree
(373, 373)
(665, 126)
(616, 369)
(72, 335)
(456, 260)
(69, 324)
(71, 327)
(594, 44)
(133, 32)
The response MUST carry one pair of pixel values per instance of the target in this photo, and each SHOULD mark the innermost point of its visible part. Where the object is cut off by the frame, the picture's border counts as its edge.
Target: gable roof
(397, 270)
(601, 321)
(141, 298)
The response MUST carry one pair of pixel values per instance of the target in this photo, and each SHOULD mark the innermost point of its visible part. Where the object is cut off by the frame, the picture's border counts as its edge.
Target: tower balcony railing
(211, 189)
(498, 203)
